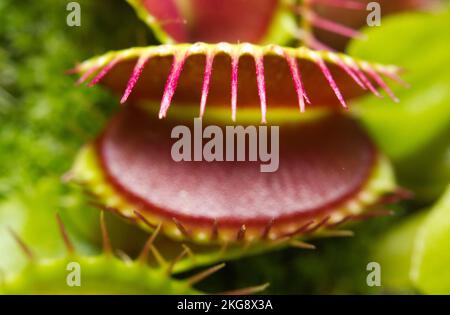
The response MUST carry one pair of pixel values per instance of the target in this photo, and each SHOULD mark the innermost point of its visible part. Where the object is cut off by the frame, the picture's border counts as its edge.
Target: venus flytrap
(212, 212)
(328, 171)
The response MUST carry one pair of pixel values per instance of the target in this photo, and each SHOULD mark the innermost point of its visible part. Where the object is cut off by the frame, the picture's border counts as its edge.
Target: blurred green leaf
(416, 132)
(415, 253)
(431, 256)
(31, 214)
(393, 251)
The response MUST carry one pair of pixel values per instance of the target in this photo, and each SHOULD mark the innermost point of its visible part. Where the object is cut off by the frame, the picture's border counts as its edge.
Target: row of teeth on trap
(167, 267)
(325, 226)
(322, 226)
(363, 73)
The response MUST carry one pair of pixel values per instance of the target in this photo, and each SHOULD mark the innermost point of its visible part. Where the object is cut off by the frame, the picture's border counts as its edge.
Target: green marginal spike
(76, 273)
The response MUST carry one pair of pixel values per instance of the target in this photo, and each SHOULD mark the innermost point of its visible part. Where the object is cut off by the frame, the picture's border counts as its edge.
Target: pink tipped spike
(171, 84)
(104, 72)
(137, 71)
(259, 63)
(394, 77)
(346, 4)
(206, 80)
(293, 66)
(334, 27)
(367, 82)
(374, 75)
(326, 72)
(234, 84)
(351, 73)
(86, 75)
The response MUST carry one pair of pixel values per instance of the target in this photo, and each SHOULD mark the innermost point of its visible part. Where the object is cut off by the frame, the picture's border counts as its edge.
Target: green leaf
(393, 252)
(431, 256)
(31, 215)
(416, 132)
(415, 253)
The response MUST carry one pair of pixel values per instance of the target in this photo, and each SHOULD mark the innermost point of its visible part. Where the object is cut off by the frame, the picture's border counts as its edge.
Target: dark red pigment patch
(322, 164)
(214, 21)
